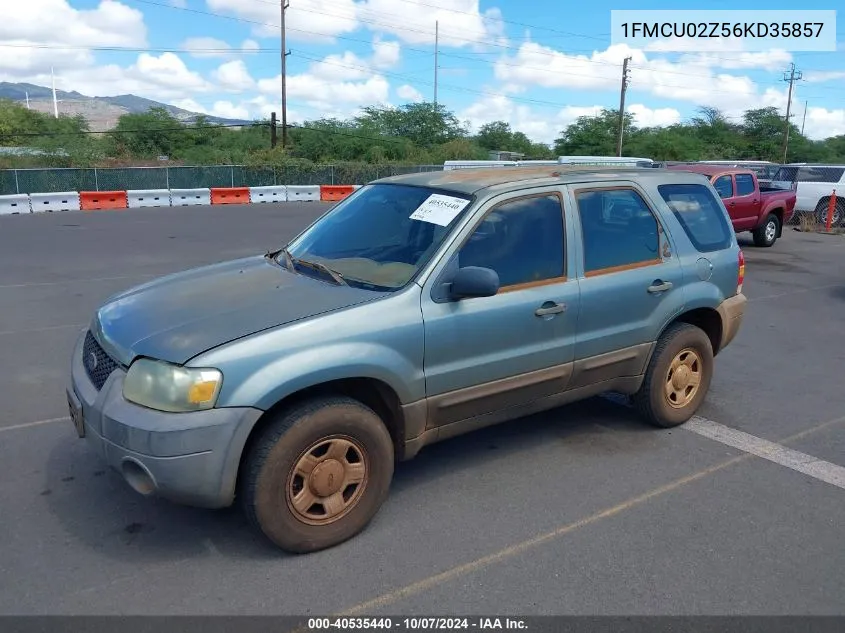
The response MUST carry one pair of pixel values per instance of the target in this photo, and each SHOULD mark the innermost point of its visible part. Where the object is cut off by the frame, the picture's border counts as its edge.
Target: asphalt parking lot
(583, 510)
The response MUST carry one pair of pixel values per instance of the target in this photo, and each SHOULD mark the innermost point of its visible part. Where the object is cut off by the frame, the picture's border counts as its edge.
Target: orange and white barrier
(230, 195)
(334, 193)
(103, 200)
(136, 199)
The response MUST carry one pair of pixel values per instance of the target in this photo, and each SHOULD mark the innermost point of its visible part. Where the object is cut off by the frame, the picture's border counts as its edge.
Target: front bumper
(188, 458)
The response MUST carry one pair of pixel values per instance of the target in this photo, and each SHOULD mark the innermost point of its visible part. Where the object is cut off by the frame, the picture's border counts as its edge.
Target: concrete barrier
(334, 193)
(13, 204)
(303, 193)
(139, 198)
(63, 201)
(190, 197)
(230, 195)
(102, 200)
(258, 195)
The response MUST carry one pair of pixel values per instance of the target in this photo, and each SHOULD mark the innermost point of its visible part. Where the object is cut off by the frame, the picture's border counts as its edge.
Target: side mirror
(474, 281)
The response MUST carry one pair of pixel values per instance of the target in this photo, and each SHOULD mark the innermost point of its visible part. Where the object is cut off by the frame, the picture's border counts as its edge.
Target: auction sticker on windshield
(439, 209)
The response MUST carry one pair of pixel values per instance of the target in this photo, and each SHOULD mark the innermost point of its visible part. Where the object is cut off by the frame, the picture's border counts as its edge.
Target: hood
(174, 318)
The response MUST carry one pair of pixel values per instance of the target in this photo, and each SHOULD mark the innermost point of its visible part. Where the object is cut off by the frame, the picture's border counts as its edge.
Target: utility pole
(806, 105)
(790, 76)
(622, 106)
(272, 130)
(284, 4)
(436, 48)
(27, 102)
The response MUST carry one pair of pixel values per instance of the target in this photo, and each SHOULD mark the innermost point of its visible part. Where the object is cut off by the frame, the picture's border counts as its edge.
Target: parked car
(814, 186)
(762, 210)
(419, 308)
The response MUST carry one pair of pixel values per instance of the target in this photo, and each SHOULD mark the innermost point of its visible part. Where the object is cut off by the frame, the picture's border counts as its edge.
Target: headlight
(165, 387)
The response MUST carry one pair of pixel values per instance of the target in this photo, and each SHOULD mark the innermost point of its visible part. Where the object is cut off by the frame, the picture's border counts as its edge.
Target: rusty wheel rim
(327, 480)
(683, 379)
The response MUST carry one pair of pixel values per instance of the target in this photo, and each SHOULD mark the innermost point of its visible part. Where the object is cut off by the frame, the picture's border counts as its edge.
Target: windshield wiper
(338, 278)
(274, 255)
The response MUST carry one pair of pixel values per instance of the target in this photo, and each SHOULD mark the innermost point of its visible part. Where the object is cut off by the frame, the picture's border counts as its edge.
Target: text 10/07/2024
(417, 624)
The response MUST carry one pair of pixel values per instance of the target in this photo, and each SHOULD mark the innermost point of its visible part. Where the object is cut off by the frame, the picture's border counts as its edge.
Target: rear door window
(619, 230)
(701, 215)
(744, 184)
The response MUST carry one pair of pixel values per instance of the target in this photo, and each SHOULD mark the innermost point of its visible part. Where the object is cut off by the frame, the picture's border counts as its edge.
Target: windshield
(379, 237)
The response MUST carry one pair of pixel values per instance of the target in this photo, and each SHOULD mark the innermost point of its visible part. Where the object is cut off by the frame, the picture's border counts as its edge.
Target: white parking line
(29, 425)
(800, 462)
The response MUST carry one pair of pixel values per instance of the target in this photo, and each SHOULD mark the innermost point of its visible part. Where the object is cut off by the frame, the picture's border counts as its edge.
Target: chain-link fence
(14, 181)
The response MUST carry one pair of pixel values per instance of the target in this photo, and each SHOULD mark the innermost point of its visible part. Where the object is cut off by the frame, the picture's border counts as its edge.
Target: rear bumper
(732, 311)
(187, 458)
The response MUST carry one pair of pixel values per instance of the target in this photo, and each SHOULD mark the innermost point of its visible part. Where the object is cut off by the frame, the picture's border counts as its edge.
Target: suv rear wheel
(677, 378)
(318, 474)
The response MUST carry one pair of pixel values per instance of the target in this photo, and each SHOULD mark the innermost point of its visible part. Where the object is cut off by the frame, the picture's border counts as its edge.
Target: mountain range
(102, 113)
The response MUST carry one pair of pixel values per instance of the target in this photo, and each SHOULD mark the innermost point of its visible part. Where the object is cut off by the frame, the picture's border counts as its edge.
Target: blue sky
(535, 64)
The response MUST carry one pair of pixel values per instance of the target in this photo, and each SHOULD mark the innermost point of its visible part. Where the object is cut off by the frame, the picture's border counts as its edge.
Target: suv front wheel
(317, 474)
(677, 378)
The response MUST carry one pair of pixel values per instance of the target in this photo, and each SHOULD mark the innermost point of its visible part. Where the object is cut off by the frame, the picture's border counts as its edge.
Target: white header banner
(725, 30)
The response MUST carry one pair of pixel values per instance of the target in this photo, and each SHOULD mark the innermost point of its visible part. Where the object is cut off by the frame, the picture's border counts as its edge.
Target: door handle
(550, 308)
(659, 286)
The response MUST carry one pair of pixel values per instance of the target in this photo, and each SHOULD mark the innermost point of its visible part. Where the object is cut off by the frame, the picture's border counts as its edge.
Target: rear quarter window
(809, 174)
(700, 214)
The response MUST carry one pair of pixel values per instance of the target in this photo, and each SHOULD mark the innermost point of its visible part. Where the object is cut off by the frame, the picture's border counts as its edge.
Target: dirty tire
(767, 234)
(684, 341)
(271, 473)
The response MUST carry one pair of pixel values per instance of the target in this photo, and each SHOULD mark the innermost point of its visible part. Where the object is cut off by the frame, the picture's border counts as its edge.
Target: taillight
(741, 276)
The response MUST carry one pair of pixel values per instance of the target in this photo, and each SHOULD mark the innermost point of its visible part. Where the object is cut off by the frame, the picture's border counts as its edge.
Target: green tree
(424, 124)
(593, 135)
(150, 134)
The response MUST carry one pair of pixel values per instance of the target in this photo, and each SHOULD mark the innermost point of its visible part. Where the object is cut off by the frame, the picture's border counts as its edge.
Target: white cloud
(768, 60)
(162, 78)
(305, 20)
(233, 76)
(385, 54)
(820, 76)
(823, 123)
(190, 105)
(646, 117)
(409, 93)
(206, 47)
(461, 22)
(228, 110)
(693, 80)
(330, 97)
(250, 46)
(55, 23)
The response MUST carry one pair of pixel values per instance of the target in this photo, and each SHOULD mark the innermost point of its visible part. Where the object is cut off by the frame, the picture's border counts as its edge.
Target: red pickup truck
(759, 209)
